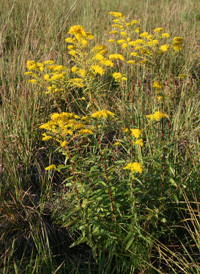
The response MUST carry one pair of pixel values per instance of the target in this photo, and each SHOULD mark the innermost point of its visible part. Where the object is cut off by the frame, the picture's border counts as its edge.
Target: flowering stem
(109, 190)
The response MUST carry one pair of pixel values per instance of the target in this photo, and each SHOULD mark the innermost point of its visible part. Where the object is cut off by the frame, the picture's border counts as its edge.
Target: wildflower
(130, 62)
(46, 77)
(157, 116)
(107, 63)
(125, 130)
(116, 14)
(121, 41)
(85, 131)
(164, 48)
(116, 57)
(97, 69)
(159, 98)
(50, 167)
(111, 41)
(124, 45)
(143, 61)
(133, 54)
(82, 72)
(33, 81)
(89, 36)
(46, 137)
(137, 167)
(74, 69)
(134, 22)
(117, 144)
(123, 33)
(144, 34)
(119, 77)
(102, 114)
(178, 40)
(64, 143)
(156, 85)
(137, 30)
(149, 37)
(77, 30)
(28, 73)
(165, 35)
(48, 62)
(136, 132)
(57, 76)
(69, 40)
(139, 142)
(113, 32)
(158, 30)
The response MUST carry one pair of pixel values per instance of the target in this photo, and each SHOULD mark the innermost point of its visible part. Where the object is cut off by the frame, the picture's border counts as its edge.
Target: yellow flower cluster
(87, 62)
(136, 133)
(156, 116)
(64, 127)
(140, 46)
(47, 73)
(134, 167)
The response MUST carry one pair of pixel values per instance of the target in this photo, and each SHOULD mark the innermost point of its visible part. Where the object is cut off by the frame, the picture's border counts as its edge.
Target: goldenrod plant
(99, 142)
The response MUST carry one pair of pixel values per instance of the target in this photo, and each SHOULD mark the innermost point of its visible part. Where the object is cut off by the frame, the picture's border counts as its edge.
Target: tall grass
(34, 237)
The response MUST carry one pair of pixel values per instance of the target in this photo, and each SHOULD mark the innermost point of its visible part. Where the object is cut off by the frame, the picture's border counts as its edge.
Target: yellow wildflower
(77, 30)
(125, 130)
(139, 142)
(158, 30)
(134, 22)
(113, 32)
(119, 77)
(33, 81)
(164, 48)
(97, 69)
(111, 41)
(121, 41)
(116, 57)
(165, 35)
(50, 167)
(137, 167)
(85, 131)
(116, 14)
(102, 114)
(144, 34)
(46, 77)
(117, 144)
(136, 132)
(157, 116)
(156, 85)
(64, 143)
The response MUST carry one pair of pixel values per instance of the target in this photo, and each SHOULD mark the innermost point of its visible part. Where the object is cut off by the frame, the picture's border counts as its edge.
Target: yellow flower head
(165, 35)
(102, 114)
(158, 30)
(50, 167)
(156, 85)
(139, 142)
(116, 14)
(136, 132)
(77, 30)
(116, 57)
(164, 48)
(157, 116)
(134, 167)
(117, 144)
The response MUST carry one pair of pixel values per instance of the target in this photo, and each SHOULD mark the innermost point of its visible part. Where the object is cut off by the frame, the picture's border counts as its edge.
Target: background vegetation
(33, 238)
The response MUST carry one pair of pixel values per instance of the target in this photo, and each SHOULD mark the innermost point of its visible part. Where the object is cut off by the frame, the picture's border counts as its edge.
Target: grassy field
(95, 212)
